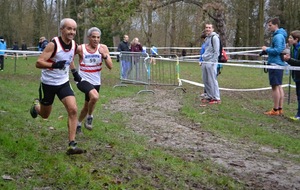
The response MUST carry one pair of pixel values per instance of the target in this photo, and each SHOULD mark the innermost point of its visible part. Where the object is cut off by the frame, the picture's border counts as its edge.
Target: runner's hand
(59, 64)
(76, 76)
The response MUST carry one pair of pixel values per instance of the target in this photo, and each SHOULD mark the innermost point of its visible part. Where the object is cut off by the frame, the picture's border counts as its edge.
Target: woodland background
(165, 23)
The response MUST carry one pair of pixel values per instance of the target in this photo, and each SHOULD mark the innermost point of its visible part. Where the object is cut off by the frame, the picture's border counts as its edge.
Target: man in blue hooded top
(2, 53)
(274, 58)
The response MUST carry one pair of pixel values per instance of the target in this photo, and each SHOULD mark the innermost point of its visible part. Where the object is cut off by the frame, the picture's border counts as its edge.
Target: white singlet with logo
(91, 65)
(58, 77)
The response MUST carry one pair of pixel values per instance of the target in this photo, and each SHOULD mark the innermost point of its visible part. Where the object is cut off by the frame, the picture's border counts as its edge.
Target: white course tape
(21, 52)
(242, 52)
(231, 89)
(288, 67)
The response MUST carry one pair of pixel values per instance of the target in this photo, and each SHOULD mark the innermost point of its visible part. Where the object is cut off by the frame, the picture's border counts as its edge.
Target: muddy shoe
(88, 123)
(78, 130)
(73, 149)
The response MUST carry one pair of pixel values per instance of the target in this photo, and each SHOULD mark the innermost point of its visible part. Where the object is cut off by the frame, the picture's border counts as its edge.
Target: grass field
(32, 151)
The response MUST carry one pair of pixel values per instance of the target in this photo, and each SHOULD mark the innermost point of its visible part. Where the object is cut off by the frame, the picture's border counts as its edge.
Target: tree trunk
(173, 26)
(261, 22)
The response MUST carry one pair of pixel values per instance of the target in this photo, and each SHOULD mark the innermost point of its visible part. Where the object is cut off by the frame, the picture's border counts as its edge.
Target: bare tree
(261, 21)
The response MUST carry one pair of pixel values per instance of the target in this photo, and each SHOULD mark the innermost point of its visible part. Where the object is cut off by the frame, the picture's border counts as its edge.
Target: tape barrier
(287, 67)
(21, 51)
(232, 89)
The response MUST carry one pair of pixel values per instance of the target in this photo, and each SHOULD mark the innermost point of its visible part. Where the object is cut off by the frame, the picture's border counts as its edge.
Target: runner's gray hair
(63, 22)
(93, 29)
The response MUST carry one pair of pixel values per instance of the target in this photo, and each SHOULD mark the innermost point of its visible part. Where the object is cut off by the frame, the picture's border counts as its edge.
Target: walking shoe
(78, 129)
(203, 95)
(280, 112)
(33, 111)
(73, 149)
(204, 100)
(272, 112)
(88, 123)
(295, 118)
(213, 101)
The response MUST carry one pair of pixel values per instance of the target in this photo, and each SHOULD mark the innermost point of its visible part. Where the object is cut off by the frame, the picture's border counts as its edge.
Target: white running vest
(58, 77)
(90, 65)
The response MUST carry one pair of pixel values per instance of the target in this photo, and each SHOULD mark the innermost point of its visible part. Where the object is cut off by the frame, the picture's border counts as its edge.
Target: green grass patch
(32, 152)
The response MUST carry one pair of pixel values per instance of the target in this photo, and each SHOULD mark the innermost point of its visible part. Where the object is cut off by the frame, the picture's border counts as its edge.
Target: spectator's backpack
(222, 56)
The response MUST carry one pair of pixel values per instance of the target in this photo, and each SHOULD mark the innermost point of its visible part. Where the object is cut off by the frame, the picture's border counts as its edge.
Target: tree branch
(166, 3)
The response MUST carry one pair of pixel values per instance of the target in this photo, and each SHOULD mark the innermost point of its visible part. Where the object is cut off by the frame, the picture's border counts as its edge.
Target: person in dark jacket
(293, 59)
(15, 47)
(24, 48)
(43, 43)
(125, 61)
(137, 48)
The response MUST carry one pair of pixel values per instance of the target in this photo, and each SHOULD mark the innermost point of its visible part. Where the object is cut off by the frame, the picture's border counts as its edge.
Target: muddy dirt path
(157, 117)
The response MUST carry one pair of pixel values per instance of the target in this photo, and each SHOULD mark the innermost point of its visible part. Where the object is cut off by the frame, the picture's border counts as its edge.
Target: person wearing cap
(2, 53)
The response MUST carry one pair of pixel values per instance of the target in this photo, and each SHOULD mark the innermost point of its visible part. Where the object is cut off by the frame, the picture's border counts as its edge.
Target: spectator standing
(39, 45)
(125, 62)
(209, 68)
(183, 53)
(203, 37)
(144, 49)
(294, 59)
(15, 47)
(2, 53)
(274, 58)
(43, 43)
(55, 62)
(91, 56)
(136, 47)
(154, 53)
(24, 48)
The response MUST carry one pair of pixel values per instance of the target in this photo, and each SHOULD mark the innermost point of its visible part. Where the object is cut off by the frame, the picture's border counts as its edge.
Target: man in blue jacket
(274, 58)
(2, 47)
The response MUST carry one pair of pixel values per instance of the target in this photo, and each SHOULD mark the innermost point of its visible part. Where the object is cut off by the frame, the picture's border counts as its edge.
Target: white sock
(79, 123)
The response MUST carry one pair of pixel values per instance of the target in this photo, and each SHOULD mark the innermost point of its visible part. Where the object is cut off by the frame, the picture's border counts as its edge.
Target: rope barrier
(234, 89)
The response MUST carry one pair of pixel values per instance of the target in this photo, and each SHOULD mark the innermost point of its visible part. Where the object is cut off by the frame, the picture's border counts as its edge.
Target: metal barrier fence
(139, 68)
(165, 71)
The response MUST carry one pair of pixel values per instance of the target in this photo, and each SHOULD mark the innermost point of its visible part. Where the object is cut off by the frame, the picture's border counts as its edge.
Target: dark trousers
(1, 62)
(298, 97)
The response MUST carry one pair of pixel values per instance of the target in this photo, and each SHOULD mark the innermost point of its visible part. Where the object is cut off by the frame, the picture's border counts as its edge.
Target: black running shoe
(78, 129)
(33, 111)
(73, 149)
